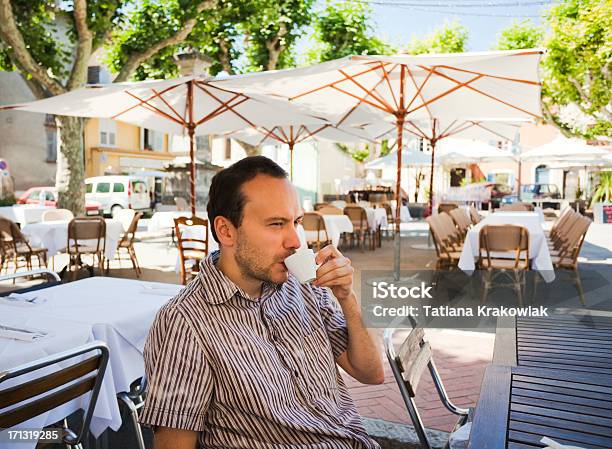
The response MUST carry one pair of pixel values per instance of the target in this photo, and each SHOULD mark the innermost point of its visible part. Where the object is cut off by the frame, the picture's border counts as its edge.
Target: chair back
(574, 239)
(449, 228)
(314, 228)
(390, 212)
(474, 215)
(127, 239)
(318, 206)
(461, 219)
(340, 204)
(192, 237)
(181, 204)
(504, 239)
(82, 372)
(358, 217)
(517, 207)
(446, 207)
(57, 215)
(330, 210)
(413, 356)
(11, 236)
(86, 232)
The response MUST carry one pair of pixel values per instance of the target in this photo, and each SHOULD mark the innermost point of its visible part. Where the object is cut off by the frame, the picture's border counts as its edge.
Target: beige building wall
(23, 141)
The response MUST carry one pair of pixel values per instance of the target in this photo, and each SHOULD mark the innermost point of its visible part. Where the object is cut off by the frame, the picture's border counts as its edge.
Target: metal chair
(361, 227)
(192, 245)
(408, 364)
(57, 215)
(86, 237)
(504, 250)
(314, 226)
(134, 400)
(82, 376)
(127, 243)
(15, 247)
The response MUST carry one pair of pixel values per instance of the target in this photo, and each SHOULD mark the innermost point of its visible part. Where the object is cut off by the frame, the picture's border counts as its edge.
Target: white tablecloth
(24, 213)
(335, 226)
(376, 217)
(538, 247)
(53, 235)
(116, 311)
(164, 221)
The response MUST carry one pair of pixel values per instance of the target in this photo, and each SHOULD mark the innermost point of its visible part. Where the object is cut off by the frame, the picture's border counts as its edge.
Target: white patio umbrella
(564, 149)
(191, 104)
(409, 153)
(358, 90)
(291, 135)
(470, 151)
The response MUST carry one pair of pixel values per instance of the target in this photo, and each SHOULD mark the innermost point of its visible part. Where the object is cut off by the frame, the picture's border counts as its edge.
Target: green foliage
(577, 66)
(358, 154)
(344, 28)
(37, 21)
(520, 35)
(451, 37)
(8, 200)
(274, 25)
(385, 148)
(603, 190)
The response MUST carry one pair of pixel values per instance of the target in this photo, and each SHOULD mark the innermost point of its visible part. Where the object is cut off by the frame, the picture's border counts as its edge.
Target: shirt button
(297, 373)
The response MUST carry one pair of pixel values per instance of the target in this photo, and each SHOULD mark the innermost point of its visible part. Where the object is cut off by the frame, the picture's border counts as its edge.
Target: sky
(397, 21)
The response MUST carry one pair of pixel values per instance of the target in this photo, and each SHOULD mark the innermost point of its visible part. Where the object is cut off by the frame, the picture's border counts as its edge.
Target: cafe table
(550, 377)
(538, 246)
(118, 312)
(53, 235)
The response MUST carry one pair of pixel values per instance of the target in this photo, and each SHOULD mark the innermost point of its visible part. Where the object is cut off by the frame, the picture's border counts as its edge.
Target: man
(245, 356)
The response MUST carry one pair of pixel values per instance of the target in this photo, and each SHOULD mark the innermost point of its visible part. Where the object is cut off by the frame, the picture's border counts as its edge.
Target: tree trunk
(70, 175)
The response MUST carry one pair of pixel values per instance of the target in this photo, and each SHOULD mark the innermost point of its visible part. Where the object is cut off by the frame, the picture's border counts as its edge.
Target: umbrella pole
(431, 174)
(291, 160)
(192, 166)
(398, 199)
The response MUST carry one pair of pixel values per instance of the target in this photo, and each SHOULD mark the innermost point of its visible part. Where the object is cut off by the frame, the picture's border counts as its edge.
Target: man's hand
(335, 272)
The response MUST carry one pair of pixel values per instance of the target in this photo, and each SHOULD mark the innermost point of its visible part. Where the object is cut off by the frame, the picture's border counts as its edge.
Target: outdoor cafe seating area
(72, 346)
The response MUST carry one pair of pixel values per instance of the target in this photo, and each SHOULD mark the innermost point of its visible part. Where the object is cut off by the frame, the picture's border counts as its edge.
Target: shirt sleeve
(180, 382)
(333, 320)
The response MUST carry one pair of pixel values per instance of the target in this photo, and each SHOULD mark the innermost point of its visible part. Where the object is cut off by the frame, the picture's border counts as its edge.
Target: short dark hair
(225, 197)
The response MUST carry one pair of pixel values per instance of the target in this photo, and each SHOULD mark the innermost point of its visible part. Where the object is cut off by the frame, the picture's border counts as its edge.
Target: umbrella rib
(270, 133)
(483, 93)
(161, 97)
(479, 124)
(422, 134)
(448, 92)
(419, 89)
(386, 76)
(362, 100)
(332, 84)
(516, 80)
(443, 133)
(376, 97)
(357, 105)
(460, 128)
(224, 106)
(146, 105)
(140, 101)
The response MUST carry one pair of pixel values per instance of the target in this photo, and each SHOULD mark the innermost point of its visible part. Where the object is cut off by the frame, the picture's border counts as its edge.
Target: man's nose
(292, 238)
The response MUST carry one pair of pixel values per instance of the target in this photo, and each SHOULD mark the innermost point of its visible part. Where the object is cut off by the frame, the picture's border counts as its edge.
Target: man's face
(267, 234)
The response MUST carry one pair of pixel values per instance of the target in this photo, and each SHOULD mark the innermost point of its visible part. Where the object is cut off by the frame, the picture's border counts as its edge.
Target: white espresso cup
(302, 265)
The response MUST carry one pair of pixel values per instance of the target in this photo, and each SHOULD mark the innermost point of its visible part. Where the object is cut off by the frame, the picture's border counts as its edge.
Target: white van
(118, 192)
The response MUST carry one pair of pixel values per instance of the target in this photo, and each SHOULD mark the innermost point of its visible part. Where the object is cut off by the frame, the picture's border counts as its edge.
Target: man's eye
(278, 223)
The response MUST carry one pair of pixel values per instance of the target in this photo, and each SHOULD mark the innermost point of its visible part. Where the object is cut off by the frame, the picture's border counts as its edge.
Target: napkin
(22, 334)
(552, 444)
(22, 299)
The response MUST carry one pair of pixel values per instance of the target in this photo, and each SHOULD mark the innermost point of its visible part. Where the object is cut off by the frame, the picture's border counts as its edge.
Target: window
(139, 187)
(118, 187)
(152, 140)
(103, 187)
(34, 195)
(88, 188)
(108, 132)
(51, 135)
(49, 196)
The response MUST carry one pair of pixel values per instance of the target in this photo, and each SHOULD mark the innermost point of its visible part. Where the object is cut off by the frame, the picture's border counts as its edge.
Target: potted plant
(602, 198)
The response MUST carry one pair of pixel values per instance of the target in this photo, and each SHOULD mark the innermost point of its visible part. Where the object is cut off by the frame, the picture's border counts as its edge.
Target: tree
(451, 37)
(344, 28)
(519, 35)
(30, 32)
(577, 67)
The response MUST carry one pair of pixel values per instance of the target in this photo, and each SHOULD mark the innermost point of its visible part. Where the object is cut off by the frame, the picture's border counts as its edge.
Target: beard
(253, 263)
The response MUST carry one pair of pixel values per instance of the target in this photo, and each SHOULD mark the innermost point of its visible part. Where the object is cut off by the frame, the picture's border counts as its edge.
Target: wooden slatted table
(550, 377)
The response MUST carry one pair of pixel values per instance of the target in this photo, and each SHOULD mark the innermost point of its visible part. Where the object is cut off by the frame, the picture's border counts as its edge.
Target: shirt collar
(217, 288)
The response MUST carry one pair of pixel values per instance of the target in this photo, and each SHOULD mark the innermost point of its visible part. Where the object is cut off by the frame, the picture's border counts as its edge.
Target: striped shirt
(251, 373)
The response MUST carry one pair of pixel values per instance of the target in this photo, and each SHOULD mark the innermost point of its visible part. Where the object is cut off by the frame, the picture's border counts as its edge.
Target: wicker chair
(316, 233)
(15, 248)
(361, 227)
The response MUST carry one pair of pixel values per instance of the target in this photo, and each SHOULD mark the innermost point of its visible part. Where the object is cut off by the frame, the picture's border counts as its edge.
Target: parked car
(118, 192)
(498, 191)
(48, 197)
(529, 192)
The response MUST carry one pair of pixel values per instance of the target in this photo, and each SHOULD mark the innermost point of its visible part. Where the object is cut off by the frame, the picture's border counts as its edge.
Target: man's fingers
(331, 265)
(345, 280)
(330, 251)
(336, 273)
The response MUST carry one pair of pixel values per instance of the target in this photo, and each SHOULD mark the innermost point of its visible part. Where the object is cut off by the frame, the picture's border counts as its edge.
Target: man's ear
(225, 230)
